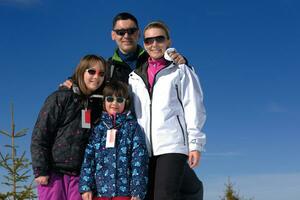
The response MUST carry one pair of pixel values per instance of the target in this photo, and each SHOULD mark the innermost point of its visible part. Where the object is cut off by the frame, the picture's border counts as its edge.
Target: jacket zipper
(116, 178)
(150, 95)
(181, 129)
(178, 96)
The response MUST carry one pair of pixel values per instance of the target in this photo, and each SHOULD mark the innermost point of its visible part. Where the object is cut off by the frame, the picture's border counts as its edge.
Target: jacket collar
(120, 118)
(140, 51)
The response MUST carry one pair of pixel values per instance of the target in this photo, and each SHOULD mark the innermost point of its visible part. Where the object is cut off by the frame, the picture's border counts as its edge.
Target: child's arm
(87, 196)
(139, 164)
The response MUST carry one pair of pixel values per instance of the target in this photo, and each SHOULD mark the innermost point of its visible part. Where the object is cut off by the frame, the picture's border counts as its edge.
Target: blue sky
(246, 54)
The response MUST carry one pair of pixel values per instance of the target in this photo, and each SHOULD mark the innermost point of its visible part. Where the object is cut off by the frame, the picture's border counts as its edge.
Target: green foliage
(16, 166)
(230, 193)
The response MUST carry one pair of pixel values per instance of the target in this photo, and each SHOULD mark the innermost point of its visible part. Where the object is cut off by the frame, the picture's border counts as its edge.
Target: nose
(126, 35)
(154, 42)
(98, 75)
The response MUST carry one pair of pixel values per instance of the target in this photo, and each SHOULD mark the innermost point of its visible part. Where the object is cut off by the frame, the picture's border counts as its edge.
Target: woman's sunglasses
(122, 32)
(158, 39)
(93, 71)
(111, 99)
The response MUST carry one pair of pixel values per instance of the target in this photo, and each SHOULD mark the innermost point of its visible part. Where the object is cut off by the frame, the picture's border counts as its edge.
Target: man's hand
(68, 84)
(42, 180)
(177, 58)
(87, 196)
(194, 158)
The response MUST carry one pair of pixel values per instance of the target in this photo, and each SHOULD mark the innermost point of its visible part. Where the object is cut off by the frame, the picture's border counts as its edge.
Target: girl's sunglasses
(93, 71)
(111, 99)
(158, 39)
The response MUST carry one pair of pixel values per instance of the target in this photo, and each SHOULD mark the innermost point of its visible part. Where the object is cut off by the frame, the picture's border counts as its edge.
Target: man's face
(126, 35)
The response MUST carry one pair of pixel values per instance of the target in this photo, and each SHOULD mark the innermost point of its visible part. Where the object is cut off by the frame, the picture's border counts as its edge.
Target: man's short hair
(124, 16)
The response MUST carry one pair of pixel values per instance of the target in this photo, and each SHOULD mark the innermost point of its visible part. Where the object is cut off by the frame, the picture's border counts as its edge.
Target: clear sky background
(246, 53)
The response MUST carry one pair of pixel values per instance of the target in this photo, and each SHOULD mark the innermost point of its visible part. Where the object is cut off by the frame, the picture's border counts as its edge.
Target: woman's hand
(194, 158)
(42, 180)
(87, 196)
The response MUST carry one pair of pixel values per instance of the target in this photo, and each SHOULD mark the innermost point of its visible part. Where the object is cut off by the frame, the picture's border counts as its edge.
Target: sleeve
(194, 110)
(43, 134)
(139, 164)
(87, 180)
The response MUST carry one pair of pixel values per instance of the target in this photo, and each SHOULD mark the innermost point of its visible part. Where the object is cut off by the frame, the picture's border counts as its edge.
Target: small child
(115, 163)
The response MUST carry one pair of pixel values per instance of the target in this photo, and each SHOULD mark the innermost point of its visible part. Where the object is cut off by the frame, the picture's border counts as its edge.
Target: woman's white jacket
(172, 116)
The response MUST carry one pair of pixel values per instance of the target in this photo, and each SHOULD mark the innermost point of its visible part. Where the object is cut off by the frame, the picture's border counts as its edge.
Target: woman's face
(94, 76)
(156, 42)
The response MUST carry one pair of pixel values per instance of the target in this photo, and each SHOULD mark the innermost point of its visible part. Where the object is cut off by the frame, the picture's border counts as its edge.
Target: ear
(103, 105)
(127, 104)
(113, 35)
(169, 42)
(139, 33)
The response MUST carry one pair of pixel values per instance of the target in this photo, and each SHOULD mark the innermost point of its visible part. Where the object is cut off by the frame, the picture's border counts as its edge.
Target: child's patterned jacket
(121, 170)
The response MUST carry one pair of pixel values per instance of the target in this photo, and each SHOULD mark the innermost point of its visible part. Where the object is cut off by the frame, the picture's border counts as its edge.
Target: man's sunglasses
(111, 99)
(93, 71)
(122, 32)
(158, 39)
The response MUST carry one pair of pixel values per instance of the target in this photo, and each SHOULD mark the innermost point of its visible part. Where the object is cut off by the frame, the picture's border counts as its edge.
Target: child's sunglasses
(111, 99)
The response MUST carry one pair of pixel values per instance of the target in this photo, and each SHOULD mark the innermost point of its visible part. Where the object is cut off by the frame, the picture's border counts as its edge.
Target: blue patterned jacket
(118, 171)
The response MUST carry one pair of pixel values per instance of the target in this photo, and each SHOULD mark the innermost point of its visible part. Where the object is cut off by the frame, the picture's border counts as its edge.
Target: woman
(62, 131)
(168, 103)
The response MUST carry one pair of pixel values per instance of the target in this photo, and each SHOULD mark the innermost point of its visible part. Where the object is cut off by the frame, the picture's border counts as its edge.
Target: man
(128, 56)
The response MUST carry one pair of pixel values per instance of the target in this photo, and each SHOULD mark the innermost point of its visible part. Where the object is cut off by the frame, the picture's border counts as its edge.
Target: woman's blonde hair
(158, 24)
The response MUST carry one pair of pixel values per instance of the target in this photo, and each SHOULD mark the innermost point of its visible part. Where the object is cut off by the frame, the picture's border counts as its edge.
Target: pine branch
(5, 133)
(21, 132)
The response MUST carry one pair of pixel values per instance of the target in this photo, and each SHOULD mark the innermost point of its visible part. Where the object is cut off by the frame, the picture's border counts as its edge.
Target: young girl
(168, 103)
(116, 159)
(62, 130)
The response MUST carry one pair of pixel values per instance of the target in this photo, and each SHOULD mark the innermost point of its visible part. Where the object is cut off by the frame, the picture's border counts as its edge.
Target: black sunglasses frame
(111, 99)
(129, 31)
(158, 39)
(93, 71)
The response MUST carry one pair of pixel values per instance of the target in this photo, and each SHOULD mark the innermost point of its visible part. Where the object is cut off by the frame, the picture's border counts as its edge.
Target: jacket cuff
(195, 145)
(40, 172)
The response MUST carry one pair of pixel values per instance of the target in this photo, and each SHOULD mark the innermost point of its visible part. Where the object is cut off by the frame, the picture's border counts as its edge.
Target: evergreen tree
(230, 193)
(17, 167)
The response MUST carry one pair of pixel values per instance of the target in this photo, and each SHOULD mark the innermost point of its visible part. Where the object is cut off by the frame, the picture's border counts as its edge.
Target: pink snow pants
(60, 187)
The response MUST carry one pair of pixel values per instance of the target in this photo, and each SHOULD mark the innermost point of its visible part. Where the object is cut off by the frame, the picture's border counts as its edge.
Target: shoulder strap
(110, 70)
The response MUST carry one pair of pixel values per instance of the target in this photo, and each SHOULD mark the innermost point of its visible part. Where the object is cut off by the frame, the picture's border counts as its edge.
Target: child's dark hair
(118, 89)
